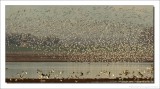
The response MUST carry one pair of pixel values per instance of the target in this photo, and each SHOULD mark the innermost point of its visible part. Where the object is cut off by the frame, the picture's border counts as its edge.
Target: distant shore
(39, 57)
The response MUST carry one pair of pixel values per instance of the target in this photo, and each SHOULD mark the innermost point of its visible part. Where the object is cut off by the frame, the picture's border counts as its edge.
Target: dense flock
(83, 34)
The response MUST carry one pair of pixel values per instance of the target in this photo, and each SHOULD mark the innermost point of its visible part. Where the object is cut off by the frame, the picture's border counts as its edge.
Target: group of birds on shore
(57, 74)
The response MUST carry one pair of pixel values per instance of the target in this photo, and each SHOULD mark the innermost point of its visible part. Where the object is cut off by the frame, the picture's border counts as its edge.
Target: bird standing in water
(21, 75)
(42, 75)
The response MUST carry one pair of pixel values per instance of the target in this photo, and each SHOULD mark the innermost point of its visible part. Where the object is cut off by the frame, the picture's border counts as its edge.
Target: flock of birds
(121, 26)
(103, 74)
(76, 33)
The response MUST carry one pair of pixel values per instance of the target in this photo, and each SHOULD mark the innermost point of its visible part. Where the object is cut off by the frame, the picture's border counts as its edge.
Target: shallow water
(77, 69)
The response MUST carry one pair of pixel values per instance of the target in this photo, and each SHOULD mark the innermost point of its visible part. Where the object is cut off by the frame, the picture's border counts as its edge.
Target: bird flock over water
(92, 34)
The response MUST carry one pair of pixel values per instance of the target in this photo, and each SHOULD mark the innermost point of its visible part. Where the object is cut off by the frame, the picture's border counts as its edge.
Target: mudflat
(50, 57)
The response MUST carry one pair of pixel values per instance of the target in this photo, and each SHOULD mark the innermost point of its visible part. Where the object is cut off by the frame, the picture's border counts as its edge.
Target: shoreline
(103, 80)
(35, 57)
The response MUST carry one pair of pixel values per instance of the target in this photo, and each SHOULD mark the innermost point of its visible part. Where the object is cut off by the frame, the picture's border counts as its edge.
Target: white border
(155, 85)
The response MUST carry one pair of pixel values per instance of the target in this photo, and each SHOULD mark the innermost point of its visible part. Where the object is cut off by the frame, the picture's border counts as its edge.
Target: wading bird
(42, 75)
(21, 75)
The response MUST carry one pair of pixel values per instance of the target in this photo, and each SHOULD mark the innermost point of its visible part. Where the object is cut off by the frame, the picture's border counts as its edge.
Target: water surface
(78, 69)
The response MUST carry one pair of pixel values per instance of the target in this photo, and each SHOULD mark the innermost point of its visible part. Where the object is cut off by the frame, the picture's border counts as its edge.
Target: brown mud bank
(116, 80)
(39, 57)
